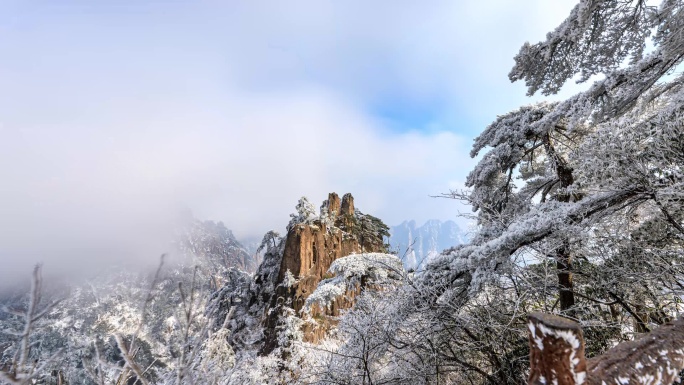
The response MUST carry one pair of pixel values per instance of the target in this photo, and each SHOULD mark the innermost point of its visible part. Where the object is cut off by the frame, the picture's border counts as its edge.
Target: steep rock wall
(348, 278)
(312, 245)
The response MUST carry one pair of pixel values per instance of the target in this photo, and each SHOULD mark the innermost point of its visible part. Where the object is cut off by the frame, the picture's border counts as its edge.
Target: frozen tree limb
(21, 370)
(129, 357)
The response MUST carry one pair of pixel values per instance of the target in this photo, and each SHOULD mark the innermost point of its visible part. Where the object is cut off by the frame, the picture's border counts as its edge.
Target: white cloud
(91, 197)
(112, 116)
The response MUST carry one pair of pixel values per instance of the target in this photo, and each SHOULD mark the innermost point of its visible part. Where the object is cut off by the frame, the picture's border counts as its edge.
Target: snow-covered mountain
(202, 317)
(216, 244)
(415, 245)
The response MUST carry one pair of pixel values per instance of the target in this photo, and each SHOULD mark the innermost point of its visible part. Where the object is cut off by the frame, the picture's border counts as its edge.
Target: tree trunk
(563, 258)
(564, 270)
(556, 350)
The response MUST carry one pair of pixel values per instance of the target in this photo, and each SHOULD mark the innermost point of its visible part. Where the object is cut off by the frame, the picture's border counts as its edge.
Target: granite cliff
(312, 244)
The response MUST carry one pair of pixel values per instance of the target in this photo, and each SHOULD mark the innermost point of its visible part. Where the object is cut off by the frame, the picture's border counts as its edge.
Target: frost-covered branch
(22, 369)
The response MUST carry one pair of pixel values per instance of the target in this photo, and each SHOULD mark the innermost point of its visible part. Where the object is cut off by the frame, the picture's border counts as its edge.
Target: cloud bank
(115, 115)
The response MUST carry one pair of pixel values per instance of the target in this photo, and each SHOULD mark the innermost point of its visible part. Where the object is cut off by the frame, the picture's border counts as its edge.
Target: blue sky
(119, 112)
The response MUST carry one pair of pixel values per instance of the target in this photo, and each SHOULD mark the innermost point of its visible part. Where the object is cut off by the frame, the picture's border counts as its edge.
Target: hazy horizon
(116, 115)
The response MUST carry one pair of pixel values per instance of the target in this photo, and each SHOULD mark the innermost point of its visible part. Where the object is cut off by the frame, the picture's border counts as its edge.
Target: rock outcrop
(348, 278)
(347, 207)
(311, 246)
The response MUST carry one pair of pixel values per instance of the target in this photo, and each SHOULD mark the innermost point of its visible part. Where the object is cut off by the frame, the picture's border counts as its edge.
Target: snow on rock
(353, 273)
(377, 266)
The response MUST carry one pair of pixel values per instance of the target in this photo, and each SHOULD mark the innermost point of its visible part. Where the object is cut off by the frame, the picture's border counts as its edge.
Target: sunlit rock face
(346, 279)
(312, 244)
(309, 252)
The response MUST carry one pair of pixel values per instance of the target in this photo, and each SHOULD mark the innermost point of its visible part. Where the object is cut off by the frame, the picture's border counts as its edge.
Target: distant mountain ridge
(416, 245)
(217, 244)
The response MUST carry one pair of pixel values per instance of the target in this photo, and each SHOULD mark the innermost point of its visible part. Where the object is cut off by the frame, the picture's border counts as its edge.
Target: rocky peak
(347, 204)
(311, 246)
(332, 204)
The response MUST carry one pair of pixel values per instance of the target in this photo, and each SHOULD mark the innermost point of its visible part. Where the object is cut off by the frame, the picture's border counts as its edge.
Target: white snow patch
(378, 268)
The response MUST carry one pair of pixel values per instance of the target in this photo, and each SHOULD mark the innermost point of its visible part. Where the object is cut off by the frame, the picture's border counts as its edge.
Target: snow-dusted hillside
(95, 320)
(416, 245)
(216, 244)
(202, 317)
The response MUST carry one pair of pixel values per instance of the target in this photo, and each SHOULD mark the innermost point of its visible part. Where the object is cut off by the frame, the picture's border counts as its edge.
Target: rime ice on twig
(22, 370)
